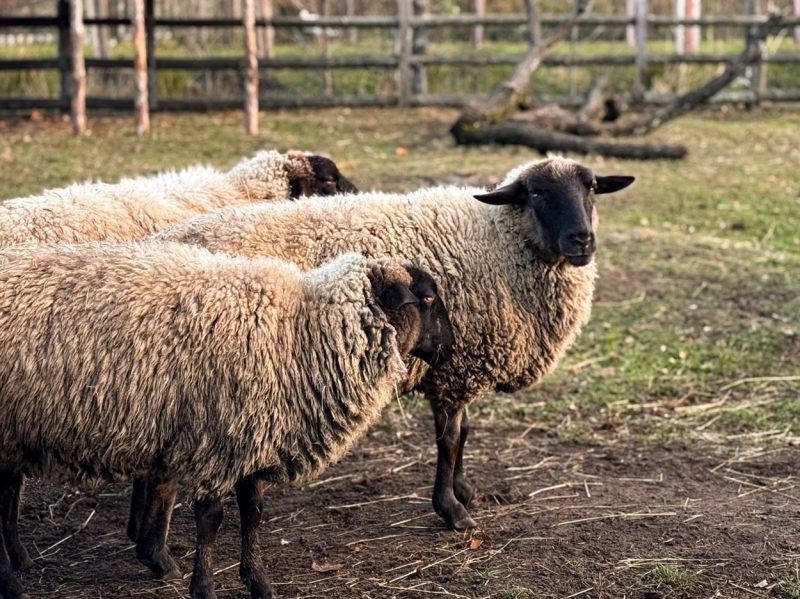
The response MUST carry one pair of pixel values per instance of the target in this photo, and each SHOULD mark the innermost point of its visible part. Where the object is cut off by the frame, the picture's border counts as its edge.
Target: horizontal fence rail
(407, 60)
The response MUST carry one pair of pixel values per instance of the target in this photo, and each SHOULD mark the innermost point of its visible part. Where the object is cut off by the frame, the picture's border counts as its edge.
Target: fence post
(150, 42)
(267, 35)
(403, 50)
(419, 43)
(534, 23)
(641, 49)
(140, 102)
(78, 91)
(630, 30)
(327, 76)
(796, 5)
(64, 54)
(251, 67)
(757, 71)
(477, 31)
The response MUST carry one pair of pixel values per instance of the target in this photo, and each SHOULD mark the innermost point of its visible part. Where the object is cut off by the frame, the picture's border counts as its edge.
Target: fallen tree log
(525, 134)
(551, 128)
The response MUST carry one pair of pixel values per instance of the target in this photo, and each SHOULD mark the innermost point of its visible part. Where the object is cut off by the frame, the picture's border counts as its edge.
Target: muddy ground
(607, 520)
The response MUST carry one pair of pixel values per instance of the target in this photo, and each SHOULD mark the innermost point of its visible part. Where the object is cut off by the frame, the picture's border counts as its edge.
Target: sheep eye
(428, 299)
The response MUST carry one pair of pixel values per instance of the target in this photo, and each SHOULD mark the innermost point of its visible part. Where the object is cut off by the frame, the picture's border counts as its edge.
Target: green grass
(674, 579)
(789, 588)
(699, 259)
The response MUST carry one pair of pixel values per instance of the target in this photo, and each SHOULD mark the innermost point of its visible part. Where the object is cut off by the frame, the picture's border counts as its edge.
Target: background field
(658, 462)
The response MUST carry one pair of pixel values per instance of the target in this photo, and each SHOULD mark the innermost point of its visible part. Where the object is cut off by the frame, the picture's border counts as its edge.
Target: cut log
(511, 133)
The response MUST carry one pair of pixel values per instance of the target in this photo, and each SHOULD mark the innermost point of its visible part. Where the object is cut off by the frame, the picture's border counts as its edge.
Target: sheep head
(556, 198)
(325, 178)
(436, 339)
(409, 297)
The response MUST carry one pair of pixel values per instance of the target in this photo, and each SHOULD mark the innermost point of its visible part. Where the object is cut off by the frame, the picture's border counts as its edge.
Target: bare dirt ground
(556, 520)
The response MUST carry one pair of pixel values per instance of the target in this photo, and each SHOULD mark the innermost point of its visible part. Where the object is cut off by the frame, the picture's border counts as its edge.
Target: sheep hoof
(464, 492)
(24, 565)
(173, 574)
(10, 586)
(465, 523)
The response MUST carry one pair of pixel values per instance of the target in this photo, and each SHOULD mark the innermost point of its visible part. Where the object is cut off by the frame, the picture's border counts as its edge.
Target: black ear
(345, 186)
(301, 187)
(612, 183)
(395, 297)
(510, 195)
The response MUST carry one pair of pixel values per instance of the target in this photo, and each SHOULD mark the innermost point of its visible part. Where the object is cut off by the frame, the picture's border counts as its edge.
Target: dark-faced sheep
(135, 208)
(201, 370)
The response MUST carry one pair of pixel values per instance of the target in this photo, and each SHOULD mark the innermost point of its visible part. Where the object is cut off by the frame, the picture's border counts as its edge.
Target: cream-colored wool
(513, 315)
(168, 360)
(135, 208)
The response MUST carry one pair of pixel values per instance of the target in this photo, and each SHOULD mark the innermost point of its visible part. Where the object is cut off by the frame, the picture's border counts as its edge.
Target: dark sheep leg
(463, 490)
(208, 518)
(10, 586)
(155, 513)
(10, 490)
(250, 497)
(138, 508)
(448, 440)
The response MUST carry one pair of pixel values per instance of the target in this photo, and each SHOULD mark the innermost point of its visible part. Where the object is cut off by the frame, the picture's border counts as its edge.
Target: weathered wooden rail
(409, 60)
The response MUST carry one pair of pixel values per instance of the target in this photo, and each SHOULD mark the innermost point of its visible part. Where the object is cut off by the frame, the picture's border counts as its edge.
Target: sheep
(151, 504)
(135, 208)
(516, 268)
(197, 369)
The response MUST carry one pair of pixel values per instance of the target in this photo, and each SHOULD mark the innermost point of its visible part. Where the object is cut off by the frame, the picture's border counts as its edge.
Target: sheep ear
(397, 296)
(612, 183)
(510, 195)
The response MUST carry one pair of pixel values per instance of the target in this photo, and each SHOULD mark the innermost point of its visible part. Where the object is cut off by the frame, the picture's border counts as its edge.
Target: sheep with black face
(256, 371)
(515, 266)
(135, 208)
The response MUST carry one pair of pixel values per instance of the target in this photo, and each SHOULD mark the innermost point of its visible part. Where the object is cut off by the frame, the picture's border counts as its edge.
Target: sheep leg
(155, 512)
(208, 519)
(448, 440)
(463, 490)
(138, 508)
(10, 586)
(250, 497)
(10, 490)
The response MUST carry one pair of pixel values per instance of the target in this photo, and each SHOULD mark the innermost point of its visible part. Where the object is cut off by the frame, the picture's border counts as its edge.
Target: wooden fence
(409, 59)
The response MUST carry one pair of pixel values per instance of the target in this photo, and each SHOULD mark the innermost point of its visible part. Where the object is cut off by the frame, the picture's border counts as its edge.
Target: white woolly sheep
(197, 369)
(516, 268)
(135, 208)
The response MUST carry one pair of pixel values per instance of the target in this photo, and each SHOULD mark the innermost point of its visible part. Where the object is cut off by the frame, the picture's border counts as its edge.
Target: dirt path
(557, 520)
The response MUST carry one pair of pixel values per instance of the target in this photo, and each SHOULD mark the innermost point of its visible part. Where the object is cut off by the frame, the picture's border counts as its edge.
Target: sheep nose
(582, 238)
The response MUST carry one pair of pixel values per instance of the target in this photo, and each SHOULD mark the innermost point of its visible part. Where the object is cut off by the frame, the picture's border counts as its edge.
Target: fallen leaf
(401, 151)
(475, 543)
(325, 567)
